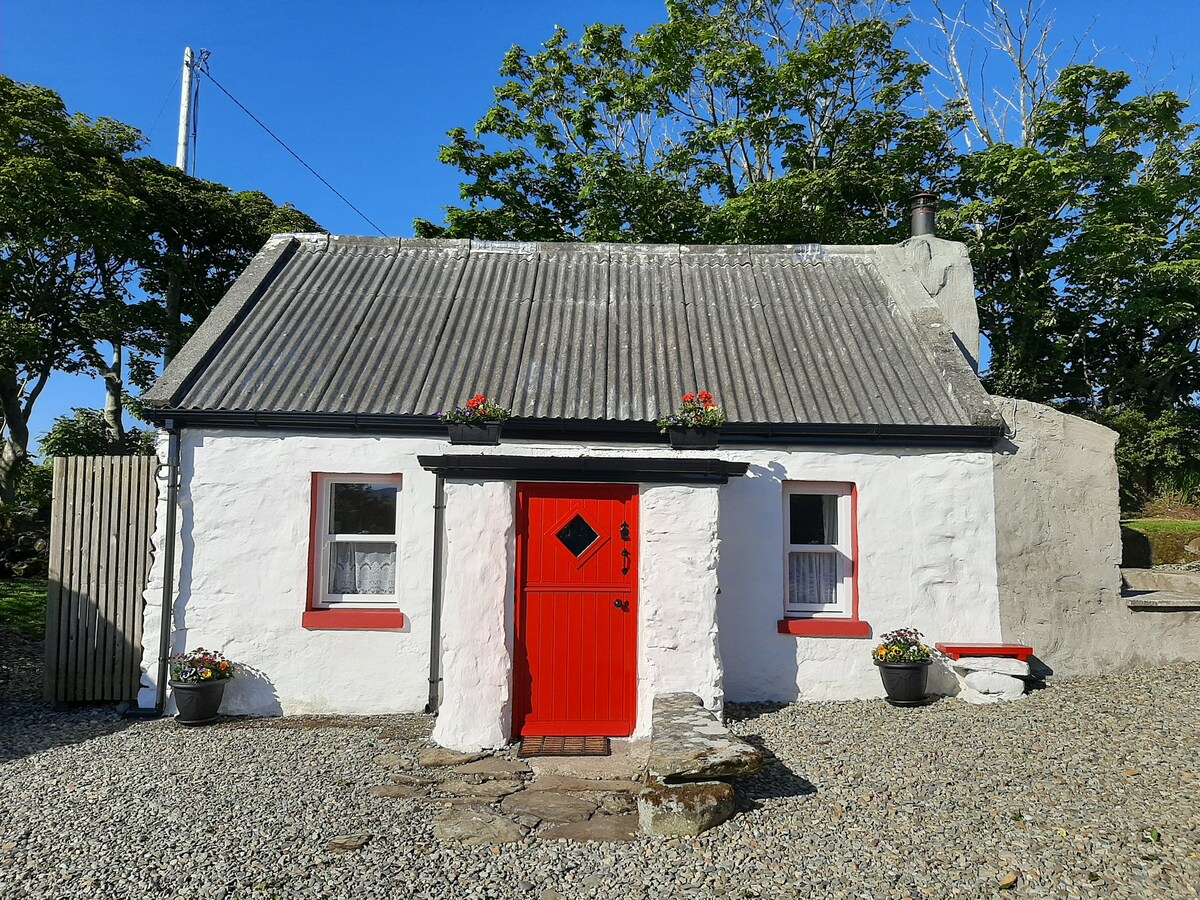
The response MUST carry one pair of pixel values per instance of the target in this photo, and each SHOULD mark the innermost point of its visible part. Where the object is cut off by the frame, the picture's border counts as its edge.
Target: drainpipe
(168, 592)
(435, 605)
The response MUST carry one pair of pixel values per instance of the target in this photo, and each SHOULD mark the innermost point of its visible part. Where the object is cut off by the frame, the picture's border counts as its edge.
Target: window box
(694, 438)
(485, 433)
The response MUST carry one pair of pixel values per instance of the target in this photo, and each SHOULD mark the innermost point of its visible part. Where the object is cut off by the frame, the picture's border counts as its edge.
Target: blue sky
(366, 90)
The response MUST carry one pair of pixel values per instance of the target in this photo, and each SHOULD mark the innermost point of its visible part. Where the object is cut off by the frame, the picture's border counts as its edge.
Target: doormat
(564, 746)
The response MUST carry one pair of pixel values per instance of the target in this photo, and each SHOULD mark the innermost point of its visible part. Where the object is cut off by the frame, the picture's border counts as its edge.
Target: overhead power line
(203, 68)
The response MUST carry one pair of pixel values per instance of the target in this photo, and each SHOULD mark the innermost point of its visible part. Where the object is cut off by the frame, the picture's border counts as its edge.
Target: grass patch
(1164, 526)
(1160, 541)
(23, 607)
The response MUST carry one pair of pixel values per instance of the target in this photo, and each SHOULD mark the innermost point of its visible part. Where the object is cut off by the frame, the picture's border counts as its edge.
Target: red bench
(958, 651)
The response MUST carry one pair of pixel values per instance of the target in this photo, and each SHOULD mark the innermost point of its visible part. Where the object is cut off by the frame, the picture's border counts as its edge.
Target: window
(353, 576)
(818, 549)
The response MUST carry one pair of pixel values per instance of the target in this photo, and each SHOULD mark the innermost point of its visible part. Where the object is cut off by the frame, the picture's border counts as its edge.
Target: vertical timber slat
(102, 522)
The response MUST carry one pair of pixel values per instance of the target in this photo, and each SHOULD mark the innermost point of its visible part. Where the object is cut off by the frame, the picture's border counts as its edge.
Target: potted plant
(198, 683)
(903, 661)
(476, 423)
(696, 424)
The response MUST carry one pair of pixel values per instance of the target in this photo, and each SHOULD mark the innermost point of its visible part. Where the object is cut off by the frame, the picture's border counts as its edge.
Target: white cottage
(332, 539)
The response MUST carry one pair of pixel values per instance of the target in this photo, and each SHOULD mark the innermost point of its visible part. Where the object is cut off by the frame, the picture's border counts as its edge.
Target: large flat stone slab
(440, 756)
(548, 806)
(569, 784)
(690, 744)
(494, 767)
(684, 810)
(599, 828)
(490, 790)
(999, 665)
(474, 828)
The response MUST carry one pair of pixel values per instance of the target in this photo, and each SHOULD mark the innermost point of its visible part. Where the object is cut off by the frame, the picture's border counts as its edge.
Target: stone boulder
(1004, 665)
(684, 810)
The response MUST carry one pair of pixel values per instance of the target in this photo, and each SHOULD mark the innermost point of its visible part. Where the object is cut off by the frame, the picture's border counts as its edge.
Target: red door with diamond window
(576, 610)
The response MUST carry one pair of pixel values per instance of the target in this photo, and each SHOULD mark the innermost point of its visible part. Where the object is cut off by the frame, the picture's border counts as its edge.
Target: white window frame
(843, 607)
(322, 598)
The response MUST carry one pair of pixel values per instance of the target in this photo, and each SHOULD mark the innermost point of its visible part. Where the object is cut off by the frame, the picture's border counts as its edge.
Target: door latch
(625, 557)
(622, 605)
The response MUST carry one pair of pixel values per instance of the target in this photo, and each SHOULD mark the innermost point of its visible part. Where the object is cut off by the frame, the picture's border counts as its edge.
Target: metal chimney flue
(923, 208)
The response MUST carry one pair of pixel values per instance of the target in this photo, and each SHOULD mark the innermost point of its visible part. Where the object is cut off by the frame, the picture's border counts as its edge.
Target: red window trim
(830, 628)
(853, 627)
(317, 618)
(353, 620)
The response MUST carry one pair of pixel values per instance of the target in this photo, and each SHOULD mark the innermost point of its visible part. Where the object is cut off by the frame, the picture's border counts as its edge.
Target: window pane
(362, 568)
(813, 577)
(362, 509)
(812, 519)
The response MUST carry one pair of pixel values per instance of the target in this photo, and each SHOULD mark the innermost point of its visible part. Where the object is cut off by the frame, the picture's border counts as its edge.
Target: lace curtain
(813, 577)
(362, 568)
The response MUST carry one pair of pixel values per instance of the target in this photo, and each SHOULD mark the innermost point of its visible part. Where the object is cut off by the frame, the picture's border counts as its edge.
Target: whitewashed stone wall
(711, 561)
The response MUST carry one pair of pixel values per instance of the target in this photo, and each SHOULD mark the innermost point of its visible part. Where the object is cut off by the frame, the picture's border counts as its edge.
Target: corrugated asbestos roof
(611, 332)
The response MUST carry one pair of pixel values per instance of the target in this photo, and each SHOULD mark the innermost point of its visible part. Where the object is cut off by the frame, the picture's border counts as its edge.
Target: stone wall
(1058, 550)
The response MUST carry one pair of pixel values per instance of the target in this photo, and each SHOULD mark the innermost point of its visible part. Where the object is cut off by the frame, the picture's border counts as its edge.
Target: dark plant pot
(904, 682)
(198, 704)
(487, 433)
(694, 438)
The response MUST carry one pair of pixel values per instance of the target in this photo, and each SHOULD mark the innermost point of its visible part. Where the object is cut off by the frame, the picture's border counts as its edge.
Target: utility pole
(185, 112)
(181, 162)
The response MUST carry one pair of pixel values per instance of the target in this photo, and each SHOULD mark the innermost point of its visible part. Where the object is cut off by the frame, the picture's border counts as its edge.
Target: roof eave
(585, 430)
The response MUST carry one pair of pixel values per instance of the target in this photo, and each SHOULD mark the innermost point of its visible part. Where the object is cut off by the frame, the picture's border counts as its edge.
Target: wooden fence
(101, 525)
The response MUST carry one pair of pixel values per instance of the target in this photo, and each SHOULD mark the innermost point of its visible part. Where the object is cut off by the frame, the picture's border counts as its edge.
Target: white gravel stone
(1088, 789)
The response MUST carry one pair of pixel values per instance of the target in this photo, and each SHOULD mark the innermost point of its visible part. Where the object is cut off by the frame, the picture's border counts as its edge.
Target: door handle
(621, 605)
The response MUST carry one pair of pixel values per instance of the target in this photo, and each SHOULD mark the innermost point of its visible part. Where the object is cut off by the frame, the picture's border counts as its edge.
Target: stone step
(688, 743)
(1162, 601)
(1142, 580)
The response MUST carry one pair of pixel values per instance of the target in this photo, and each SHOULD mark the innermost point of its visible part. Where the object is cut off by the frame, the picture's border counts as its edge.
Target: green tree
(89, 235)
(735, 121)
(1085, 248)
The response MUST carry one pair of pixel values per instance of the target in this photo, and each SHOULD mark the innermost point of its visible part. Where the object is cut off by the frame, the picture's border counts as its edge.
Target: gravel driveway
(1089, 788)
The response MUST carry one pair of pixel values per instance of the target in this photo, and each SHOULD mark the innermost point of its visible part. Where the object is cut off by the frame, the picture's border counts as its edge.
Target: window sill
(353, 620)
(830, 628)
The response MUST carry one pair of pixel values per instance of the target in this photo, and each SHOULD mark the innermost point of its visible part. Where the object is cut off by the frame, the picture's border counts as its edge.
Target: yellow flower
(206, 673)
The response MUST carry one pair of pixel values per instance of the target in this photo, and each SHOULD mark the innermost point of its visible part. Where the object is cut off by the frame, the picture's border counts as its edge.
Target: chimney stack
(923, 207)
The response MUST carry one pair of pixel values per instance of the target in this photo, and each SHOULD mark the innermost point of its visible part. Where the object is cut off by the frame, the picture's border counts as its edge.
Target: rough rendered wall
(242, 575)
(926, 559)
(677, 633)
(477, 616)
(1058, 550)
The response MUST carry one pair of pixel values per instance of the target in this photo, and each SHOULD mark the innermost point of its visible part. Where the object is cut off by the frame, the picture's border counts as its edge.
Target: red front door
(576, 610)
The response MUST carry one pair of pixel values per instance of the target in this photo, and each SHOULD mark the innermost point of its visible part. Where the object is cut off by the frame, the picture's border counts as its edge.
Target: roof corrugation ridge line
(857, 361)
(238, 365)
(337, 380)
(318, 331)
(933, 400)
(415, 306)
(728, 355)
(778, 313)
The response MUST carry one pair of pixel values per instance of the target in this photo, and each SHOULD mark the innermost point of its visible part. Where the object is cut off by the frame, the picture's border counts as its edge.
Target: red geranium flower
(688, 398)
(706, 397)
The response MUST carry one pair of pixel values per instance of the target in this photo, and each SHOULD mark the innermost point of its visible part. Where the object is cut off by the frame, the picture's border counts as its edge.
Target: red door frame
(522, 686)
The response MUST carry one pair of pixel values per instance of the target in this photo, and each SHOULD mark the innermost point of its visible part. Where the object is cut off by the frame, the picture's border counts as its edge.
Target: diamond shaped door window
(577, 535)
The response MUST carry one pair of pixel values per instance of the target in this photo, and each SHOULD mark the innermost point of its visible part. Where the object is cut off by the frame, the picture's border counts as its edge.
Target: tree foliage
(784, 121)
(90, 234)
(734, 122)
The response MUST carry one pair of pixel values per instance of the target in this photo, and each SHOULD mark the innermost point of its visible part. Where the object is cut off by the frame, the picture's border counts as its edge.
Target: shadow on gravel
(29, 728)
(745, 712)
(29, 724)
(775, 780)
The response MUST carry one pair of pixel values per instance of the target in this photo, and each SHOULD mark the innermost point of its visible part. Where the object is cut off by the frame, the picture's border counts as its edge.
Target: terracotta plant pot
(905, 682)
(483, 433)
(694, 438)
(197, 704)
